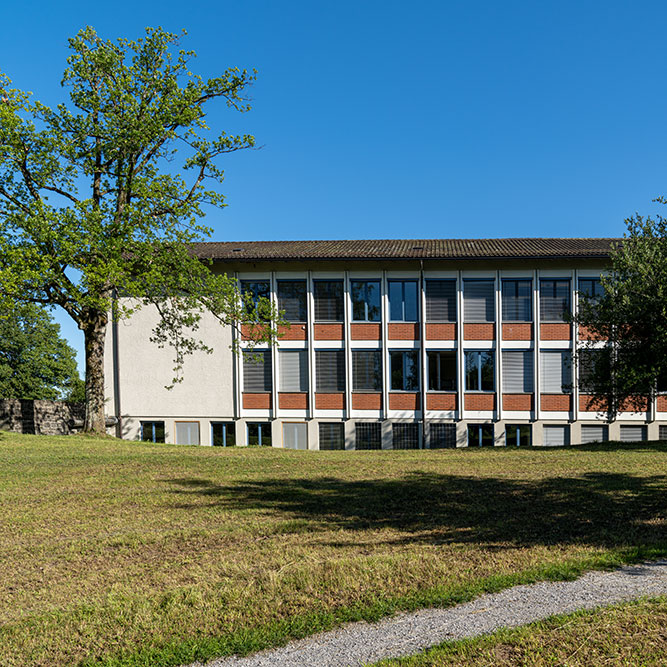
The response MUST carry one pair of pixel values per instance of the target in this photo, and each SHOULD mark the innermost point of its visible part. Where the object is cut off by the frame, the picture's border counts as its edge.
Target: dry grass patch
(126, 553)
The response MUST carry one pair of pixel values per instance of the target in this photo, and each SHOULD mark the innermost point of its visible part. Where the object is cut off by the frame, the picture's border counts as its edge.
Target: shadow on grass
(597, 509)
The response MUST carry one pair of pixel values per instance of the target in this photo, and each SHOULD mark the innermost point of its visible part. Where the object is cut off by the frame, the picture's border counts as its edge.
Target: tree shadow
(596, 509)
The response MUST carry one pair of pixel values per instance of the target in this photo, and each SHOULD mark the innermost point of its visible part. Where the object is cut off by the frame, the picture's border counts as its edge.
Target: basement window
(152, 431)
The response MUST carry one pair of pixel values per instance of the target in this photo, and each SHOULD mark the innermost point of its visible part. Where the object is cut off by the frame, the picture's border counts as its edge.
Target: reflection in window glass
(403, 300)
(404, 370)
(479, 369)
(259, 433)
(365, 295)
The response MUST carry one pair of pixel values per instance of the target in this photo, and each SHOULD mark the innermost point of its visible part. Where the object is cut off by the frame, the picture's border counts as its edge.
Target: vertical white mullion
(536, 343)
(348, 351)
(498, 356)
(421, 314)
(238, 369)
(274, 355)
(459, 343)
(574, 301)
(310, 306)
(385, 347)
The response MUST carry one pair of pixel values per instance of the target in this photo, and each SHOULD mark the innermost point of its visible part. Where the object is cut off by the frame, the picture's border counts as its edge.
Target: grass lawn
(630, 634)
(121, 553)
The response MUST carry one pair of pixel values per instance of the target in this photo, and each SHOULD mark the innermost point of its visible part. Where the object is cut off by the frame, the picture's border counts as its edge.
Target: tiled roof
(529, 248)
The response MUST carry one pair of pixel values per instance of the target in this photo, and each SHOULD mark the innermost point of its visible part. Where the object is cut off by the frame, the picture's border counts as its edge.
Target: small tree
(103, 196)
(35, 362)
(623, 362)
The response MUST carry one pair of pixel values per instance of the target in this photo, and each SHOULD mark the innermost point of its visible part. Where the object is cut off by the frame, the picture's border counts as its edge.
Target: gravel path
(409, 633)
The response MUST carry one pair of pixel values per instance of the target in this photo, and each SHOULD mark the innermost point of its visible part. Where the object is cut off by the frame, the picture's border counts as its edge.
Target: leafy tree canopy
(104, 195)
(35, 362)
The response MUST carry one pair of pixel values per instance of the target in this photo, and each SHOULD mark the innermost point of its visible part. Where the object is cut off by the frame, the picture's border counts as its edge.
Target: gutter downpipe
(422, 352)
(115, 354)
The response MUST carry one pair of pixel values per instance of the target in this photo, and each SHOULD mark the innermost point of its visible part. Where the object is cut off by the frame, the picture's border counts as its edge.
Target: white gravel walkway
(409, 633)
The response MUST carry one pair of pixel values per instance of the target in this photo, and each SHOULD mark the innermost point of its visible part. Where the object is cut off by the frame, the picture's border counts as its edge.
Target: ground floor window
(405, 436)
(633, 433)
(556, 436)
(152, 431)
(332, 435)
(518, 435)
(442, 436)
(480, 435)
(368, 435)
(295, 435)
(662, 432)
(259, 433)
(187, 433)
(223, 434)
(594, 433)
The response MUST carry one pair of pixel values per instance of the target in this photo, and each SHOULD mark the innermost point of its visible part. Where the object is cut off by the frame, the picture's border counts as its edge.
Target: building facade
(391, 345)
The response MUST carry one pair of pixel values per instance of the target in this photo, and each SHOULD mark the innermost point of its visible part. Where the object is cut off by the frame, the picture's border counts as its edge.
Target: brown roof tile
(529, 248)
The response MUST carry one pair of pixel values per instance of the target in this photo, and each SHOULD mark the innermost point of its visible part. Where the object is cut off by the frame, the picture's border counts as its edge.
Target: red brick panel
(588, 404)
(441, 331)
(479, 331)
(555, 331)
(661, 404)
(404, 401)
(403, 331)
(253, 331)
(480, 401)
(365, 332)
(330, 401)
(295, 332)
(293, 401)
(629, 405)
(366, 401)
(328, 331)
(556, 402)
(441, 401)
(518, 402)
(586, 334)
(257, 401)
(518, 331)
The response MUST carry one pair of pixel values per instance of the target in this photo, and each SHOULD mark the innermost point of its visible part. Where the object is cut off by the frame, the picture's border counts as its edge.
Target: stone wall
(39, 417)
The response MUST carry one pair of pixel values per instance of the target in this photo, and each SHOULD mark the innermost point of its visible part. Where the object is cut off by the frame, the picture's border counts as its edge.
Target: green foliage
(632, 316)
(35, 362)
(104, 195)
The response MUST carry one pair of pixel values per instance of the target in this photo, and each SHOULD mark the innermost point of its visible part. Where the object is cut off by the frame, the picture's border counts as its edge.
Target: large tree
(623, 360)
(35, 361)
(103, 195)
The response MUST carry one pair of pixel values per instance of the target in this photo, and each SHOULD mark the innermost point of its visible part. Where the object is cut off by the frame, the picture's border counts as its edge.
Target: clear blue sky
(382, 119)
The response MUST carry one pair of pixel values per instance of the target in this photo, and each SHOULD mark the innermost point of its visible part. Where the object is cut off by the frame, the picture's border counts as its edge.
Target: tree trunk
(94, 332)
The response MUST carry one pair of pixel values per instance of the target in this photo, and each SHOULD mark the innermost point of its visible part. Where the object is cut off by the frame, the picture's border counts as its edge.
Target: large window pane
(480, 435)
(440, 300)
(293, 370)
(442, 371)
(256, 290)
(366, 370)
(295, 435)
(517, 301)
(555, 372)
(223, 434)
(518, 435)
(365, 295)
(368, 435)
(292, 299)
(259, 433)
(328, 298)
(187, 433)
(403, 300)
(152, 431)
(332, 435)
(405, 436)
(478, 300)
(554, 300)
(257, 371)
(404, 371)
(479, 370)
(517, 371)
(329, 371)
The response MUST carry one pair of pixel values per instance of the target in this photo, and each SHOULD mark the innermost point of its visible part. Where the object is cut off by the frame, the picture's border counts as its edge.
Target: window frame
(517, 297)
(365, 300)
(303, 308)
(430, 353)
(378, 355)
(341, 299)
(247, 357)
(403, 282)
(568, 308)
(339, 426)
(479, 365)
(153, 423)
(480, 429)
(486, 320)
(255, 294)
(517, 436)
(225, 433)
(262, 426)
(405, 355)
(340, 366)
(187, 421)
(430, 300)
(304, 374)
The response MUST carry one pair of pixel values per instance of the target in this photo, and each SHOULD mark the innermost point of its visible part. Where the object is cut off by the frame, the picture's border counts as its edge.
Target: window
(517, 300)
(403, 301)
(442, 436)
(366, 370)
(328, 298)
(591, 288)
(554, 300)
(480, 435)
(441, 371)
(518, 435)
(662, 432)
(256, 290)
(152, 431)
(332, 436)
(556, 436)
(293, 370)
(556, 372)
(405, 436)
(404, 370)
(329, 371)
(517, 371)
(587, 359)
(259, 434)
(478, 300)
(368, 435)
(365, 295)
(257, 371)
(223, 434)
(594, 433)
(440, 300)
(479, 369)
(292, 300)
(633, 433)
(295, 435)
(187, 433)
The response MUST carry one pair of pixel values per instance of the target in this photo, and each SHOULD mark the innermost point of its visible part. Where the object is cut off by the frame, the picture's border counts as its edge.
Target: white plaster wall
(207, 388)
